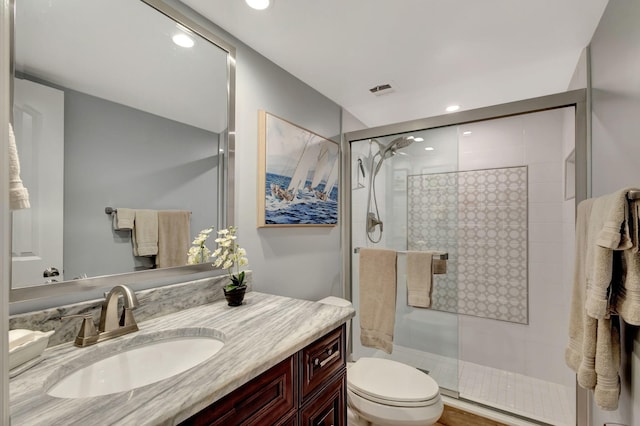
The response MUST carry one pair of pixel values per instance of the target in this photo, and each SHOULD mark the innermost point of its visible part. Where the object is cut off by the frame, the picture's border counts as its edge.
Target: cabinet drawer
(329, 407)
(264, 400)
(320, 360)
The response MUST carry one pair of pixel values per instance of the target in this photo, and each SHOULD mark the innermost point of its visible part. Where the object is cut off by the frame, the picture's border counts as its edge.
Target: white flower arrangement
(199, 252)
(229, 255)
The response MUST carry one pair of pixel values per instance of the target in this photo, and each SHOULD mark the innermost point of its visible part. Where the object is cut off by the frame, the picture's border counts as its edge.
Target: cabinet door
(263, 401)
(321, 360)
(328, 408)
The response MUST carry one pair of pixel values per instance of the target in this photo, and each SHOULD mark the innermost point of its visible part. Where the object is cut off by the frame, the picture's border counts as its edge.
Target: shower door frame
(575, 98)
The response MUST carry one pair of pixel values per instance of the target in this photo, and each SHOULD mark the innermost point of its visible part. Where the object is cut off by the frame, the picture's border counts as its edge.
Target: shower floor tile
(511, 392)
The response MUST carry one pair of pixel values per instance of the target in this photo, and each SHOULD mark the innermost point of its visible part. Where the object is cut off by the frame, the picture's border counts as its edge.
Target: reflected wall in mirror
(111, 109)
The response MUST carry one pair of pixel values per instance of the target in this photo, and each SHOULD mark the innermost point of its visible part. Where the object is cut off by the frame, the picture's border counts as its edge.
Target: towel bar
(633, 194)
(111, 210)
(437, 255)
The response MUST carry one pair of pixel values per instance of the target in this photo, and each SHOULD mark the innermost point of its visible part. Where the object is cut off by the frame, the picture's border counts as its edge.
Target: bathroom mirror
(111, 113)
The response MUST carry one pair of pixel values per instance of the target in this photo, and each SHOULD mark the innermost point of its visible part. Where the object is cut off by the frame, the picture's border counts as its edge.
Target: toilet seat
(391, 383)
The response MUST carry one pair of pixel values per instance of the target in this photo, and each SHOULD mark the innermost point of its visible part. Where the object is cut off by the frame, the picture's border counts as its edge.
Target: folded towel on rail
(174, 238)
(574, 353)
(609, 230)
(145, 233)
(419, 278)
(607, 363)
(593, 351)
(377, 278)
(123, 219)
(626, 297)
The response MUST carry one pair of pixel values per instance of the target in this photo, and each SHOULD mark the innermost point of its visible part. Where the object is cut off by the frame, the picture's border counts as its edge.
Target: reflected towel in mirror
(145, 233)
(18, 194)
(174, 238)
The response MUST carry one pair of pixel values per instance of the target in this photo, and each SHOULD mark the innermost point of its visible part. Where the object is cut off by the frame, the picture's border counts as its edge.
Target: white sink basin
(139, 366)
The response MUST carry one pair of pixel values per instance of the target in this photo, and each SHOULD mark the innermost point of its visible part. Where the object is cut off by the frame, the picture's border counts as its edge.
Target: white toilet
(388, 393)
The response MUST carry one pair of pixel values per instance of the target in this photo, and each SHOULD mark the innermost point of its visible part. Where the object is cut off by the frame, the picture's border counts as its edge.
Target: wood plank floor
(456, 417)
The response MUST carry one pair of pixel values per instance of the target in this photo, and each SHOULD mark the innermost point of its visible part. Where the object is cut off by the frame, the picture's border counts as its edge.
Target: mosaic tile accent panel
(480, 218)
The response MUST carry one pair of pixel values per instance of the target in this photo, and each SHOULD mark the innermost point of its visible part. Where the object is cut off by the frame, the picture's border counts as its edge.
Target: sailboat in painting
(325, 194)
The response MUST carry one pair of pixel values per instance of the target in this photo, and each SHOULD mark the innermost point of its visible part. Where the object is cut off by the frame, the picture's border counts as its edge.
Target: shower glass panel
(491, 194)
(424, 338)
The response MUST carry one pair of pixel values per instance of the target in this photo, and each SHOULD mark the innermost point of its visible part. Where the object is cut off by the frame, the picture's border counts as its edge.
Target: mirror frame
(225, 177)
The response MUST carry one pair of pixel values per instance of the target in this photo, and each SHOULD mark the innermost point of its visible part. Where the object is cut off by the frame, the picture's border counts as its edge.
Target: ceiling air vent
(381, 89)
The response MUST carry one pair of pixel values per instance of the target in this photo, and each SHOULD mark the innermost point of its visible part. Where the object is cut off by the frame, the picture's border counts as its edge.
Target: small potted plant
(199, 252)
(230, 256)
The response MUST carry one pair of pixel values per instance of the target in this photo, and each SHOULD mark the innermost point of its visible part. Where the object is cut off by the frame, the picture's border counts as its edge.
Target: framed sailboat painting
(297, 177)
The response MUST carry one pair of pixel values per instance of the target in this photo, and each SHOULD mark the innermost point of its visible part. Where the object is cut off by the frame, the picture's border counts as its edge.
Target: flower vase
(235, 296)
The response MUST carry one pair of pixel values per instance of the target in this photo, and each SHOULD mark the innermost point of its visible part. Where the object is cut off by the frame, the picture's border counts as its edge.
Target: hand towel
(607, 389)
(145, 233)
(615, 233)
(123, 219)
(610, 230)
(18, 194)
(377, 298)
(626, 298)
(174, 238)
(419, 278)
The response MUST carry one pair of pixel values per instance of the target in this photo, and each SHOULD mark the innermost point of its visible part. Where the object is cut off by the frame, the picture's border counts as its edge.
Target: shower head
(398, 143)
(389, 150)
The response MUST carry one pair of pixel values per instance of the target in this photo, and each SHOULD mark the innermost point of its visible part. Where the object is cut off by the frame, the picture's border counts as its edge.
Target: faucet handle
(88, 333)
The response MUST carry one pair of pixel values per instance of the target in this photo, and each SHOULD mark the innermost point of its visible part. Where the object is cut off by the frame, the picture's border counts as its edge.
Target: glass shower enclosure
(492, 191)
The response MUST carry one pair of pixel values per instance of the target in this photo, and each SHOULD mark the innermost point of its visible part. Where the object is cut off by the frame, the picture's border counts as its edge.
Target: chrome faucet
(111, 325)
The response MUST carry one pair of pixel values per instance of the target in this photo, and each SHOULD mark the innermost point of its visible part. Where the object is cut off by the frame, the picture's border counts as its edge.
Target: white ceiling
(122, 51)
(433, 52)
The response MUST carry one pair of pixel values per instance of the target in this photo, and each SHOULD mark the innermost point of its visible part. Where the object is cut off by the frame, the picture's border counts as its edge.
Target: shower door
(493, 195)
(423, 338)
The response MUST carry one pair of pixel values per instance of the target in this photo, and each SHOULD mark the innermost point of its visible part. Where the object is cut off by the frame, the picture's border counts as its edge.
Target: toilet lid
(389, 381)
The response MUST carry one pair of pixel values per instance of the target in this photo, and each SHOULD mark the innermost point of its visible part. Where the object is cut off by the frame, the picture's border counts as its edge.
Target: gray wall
(122, 157)
(615, 67)
(299, 262)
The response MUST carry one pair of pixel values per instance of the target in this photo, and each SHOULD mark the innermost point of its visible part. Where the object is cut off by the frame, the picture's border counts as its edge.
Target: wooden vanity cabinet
(306, 389)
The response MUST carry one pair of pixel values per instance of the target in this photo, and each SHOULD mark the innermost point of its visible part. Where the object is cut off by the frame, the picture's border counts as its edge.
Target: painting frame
(298, 175)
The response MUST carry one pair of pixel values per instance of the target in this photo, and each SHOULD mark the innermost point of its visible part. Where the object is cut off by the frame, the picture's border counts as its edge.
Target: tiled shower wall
(479, 218)
(540, 141)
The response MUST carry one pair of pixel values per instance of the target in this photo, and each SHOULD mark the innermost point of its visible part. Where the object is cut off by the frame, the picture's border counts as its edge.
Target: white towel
(419, 278)
(18, 194)
(123, 219)
(377, 298)
(174, 238)
(145, 233)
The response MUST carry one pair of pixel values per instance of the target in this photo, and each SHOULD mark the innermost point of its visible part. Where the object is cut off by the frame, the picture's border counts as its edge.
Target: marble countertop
(265, 330)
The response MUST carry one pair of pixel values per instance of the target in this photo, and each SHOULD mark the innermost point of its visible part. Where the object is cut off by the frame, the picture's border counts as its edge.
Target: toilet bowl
(384, 392)
(389, 393)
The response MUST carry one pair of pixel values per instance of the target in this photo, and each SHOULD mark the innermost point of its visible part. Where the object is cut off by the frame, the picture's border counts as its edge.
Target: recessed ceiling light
(452, 108)
(429, 148)
(467, 133)
(258, 4)
(418, 139)
(183, 40)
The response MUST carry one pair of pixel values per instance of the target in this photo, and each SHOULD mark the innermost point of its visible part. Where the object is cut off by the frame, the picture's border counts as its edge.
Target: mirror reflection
(110, 114)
